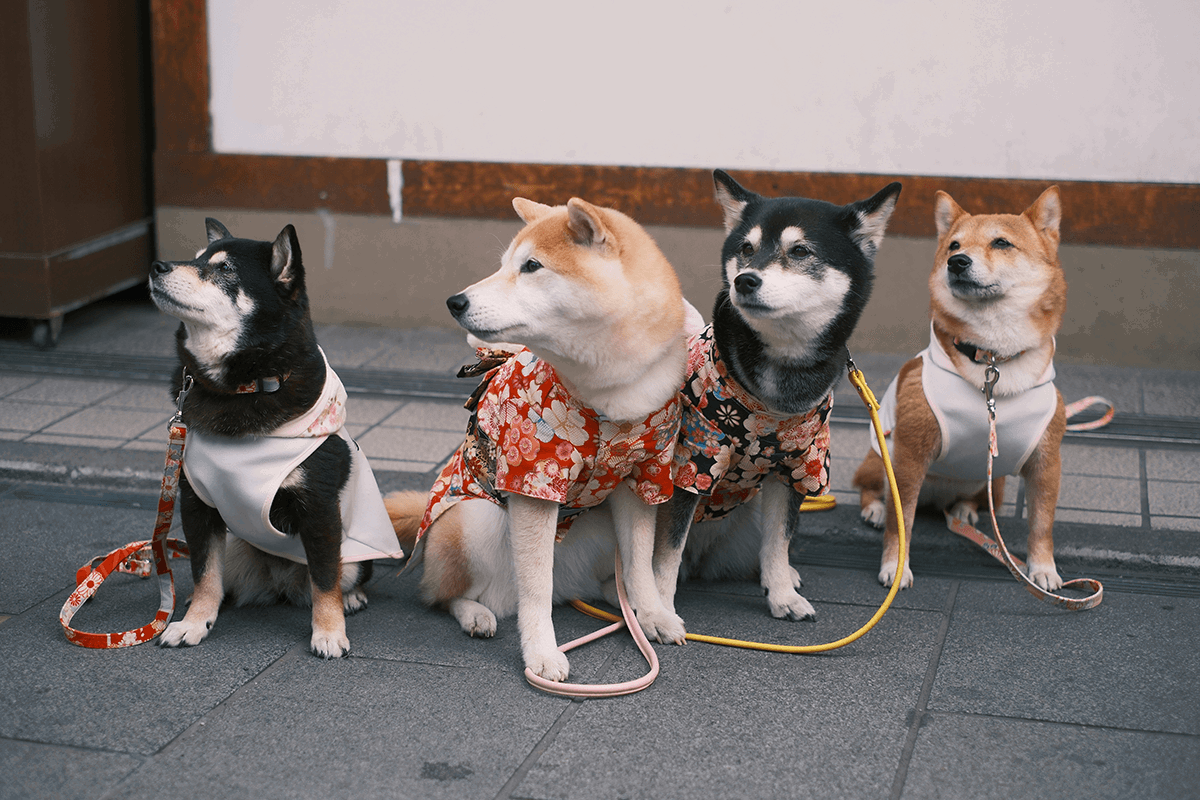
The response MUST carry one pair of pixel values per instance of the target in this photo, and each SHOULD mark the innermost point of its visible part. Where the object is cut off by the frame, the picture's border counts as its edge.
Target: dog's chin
(493, 338)
(972, 291)
(755, 310)
(484, 334)
(169, 305)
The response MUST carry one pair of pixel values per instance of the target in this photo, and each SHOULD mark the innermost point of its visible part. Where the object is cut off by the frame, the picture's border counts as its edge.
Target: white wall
(1042, 89)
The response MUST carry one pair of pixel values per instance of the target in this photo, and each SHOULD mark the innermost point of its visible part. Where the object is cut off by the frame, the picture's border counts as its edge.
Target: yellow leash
(820, 503)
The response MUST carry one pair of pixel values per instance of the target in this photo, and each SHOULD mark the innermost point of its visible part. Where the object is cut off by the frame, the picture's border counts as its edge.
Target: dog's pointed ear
(1046, 214)
(285, 257)
(216, 230)
(868, 218)
(946, 212)
(529, 211)
(585, 223)
(732, 197)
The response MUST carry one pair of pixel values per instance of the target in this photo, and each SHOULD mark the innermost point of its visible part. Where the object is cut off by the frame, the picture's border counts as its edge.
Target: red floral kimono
(528, 436)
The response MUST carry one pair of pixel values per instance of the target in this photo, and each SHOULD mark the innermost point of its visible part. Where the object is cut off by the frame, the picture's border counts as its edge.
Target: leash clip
(184, 388)
(991, 376)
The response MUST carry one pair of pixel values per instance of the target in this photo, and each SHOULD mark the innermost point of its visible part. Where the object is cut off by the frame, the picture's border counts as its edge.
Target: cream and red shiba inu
(755, 441)
(587, 409)
(267, 458)
(997, 297)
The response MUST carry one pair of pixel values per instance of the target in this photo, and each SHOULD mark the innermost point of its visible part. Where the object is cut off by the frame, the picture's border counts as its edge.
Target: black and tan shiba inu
(797, 274)
(266, 458)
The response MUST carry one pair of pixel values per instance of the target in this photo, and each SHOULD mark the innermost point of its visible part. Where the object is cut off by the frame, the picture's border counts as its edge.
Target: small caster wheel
(45, 332)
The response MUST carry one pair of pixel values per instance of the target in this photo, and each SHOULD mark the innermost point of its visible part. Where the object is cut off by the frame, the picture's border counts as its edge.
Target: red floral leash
(135, 558)
(996, 547)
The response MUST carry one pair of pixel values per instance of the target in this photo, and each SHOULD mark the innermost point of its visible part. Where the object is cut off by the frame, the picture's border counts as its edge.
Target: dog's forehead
(232, 252)
(547, 240)
(791, 235)
(520, 249)
(987, 227)
(790, 218)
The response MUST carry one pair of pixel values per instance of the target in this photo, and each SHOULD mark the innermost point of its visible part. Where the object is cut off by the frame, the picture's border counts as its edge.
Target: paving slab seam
(573, 707)
(919, 713)
(1060, 723)
(288, 656)
(81, 747)
(1144, 489)
(436, 664)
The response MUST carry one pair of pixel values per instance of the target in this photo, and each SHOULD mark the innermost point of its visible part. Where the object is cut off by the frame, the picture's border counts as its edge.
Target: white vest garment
(961, 412)
(239, 476)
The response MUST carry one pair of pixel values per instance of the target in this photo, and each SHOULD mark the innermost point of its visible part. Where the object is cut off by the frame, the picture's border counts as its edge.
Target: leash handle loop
(1073, 409)
(135, 558)
(583, 690)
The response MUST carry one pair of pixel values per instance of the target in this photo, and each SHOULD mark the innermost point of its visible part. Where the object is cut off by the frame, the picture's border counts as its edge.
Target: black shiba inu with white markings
(266, 457)
(797, 274)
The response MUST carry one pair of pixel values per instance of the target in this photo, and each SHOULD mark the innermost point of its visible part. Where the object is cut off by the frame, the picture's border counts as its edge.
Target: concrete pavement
(968, 688)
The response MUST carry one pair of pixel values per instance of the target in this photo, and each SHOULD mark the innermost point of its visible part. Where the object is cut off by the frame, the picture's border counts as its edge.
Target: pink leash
(996, 547)
(584, 690)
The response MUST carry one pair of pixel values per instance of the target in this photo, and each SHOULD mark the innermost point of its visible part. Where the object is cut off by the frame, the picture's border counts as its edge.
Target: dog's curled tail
(406, 510)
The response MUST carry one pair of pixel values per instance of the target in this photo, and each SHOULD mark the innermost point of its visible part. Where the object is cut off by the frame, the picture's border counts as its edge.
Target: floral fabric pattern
(528, 436)
(729, 442)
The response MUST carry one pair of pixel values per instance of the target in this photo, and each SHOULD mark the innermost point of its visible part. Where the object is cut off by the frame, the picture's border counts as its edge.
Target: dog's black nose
(458, 304)
(160, 268)
(747, 282)
(959, 263)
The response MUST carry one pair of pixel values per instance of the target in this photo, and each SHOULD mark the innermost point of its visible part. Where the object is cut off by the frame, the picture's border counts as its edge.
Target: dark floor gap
(914, 727)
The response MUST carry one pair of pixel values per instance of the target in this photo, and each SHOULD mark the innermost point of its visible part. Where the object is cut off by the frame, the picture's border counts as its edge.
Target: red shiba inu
(586, 409)
(997, 300)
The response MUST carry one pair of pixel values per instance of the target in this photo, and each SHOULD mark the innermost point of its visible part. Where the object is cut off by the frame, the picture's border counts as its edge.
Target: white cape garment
(239, 476)
(961, 412)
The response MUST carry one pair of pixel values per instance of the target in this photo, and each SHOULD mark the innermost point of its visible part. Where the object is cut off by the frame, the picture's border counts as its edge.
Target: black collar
(271, 383)
(979, 355)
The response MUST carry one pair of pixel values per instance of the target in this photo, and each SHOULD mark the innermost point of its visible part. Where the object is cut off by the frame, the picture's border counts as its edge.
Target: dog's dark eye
(954, 246)
(532, 265)
(1002, 244)
(800, 251)
(747, 249)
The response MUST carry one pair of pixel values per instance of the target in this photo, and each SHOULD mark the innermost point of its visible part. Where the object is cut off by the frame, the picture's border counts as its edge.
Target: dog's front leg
(321, 534)
(531, 524)
(1043, 477)
(910, 462)
(634, 522)
(671, 528)
(780, 516)
(204, 531)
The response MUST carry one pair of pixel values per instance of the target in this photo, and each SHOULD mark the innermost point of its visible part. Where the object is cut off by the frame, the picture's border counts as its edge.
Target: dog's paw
(790, 606)
(474, 618)
(354, 600)
(184, 633)
(887, 575)
(875, 514)
(551, 665)
(665, 628)
(1045, 575)
(330, 644)
(965, 512)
